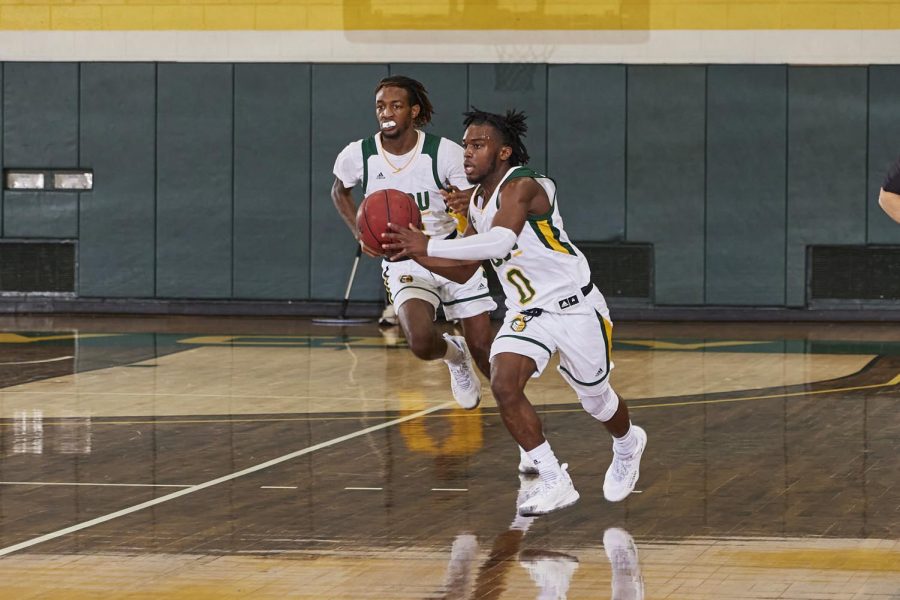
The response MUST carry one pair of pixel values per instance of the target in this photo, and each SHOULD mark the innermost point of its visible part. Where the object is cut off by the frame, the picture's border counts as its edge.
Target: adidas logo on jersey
(567, 302)
(599, 372)
(481, 286)
(379, 176)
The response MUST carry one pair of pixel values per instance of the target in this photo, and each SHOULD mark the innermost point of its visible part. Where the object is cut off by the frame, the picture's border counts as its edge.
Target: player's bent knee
(602, 406)
(422, 345)
(504, 389)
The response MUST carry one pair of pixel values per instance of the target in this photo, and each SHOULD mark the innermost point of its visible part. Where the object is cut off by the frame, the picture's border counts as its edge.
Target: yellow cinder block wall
(223, 15)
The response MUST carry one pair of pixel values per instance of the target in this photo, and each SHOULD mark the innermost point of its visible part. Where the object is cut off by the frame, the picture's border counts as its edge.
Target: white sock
(453, 354)
(523, 456)
(546, 463)
(627, 444)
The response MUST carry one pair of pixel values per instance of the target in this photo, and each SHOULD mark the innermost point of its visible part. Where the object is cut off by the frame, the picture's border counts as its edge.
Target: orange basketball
(383, 207)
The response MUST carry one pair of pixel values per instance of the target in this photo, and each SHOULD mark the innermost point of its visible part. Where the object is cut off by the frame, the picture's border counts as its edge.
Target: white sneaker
(544, 498)
(627, 583)
(551, 571)
(623, 472)
(526, 465)
(464, 382)
(526, 485)
(388, 316)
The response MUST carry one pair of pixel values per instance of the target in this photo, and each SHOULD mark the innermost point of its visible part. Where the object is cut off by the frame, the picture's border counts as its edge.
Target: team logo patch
(406, 279)
(518, 324)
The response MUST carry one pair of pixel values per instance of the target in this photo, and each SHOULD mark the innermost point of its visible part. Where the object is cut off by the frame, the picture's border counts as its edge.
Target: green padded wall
(40, 130)
(745, 184)
(826, 165)
(271, 181)
(194, 181)
(665, 174)
(586, 148)
(117, 234)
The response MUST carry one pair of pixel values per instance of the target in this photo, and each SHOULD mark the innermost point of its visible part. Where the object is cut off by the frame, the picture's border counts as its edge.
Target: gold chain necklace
(414, 151)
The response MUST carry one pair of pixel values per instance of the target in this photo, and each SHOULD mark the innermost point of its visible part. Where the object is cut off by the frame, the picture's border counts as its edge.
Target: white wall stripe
(630, 47)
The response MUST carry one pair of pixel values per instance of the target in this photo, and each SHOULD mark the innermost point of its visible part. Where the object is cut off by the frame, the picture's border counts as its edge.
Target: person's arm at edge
(890, 203)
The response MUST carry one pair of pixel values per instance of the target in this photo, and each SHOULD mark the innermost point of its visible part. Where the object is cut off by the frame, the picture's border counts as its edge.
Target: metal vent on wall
(854, 273)
(27, 266)
(621, 270)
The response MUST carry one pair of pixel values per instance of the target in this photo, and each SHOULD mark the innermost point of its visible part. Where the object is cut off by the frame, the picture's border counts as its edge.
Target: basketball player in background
(552, 305)
(402, 156)
(889, 198)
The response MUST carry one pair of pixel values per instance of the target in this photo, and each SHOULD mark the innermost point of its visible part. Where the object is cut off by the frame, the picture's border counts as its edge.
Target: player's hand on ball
(368, 251)
(404, 241)
(457, 200)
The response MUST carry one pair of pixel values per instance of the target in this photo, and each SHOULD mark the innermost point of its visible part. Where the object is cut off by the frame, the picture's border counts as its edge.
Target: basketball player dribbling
(552, 306)
(429, 168)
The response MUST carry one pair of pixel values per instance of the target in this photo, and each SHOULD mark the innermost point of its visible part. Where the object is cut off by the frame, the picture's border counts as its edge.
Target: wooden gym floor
(273, 458)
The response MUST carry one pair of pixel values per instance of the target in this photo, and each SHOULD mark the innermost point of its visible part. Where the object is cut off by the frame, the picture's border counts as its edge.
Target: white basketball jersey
(421, 174)
(544, 269)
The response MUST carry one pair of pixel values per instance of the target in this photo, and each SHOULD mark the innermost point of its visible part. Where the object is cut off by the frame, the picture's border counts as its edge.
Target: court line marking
(202, 486)
(362, 488)
(37, 362)
(278, 487)
(449, 489)
(95, 484)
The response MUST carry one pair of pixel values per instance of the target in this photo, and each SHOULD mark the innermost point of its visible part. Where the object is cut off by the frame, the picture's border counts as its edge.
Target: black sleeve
(892, 181)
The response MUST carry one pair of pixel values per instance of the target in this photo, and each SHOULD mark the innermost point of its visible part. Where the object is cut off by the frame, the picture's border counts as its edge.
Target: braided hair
(512, 129)
(416, 93)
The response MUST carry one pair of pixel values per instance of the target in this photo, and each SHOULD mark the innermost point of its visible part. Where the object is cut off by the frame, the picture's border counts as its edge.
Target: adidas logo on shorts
(567, 302)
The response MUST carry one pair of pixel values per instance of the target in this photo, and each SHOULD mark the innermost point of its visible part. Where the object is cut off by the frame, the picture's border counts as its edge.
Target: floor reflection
(469, 577)
(772, 473)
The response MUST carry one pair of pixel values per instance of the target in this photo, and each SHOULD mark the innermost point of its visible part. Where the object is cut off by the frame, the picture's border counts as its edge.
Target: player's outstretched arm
(890, 203)
(342, 197)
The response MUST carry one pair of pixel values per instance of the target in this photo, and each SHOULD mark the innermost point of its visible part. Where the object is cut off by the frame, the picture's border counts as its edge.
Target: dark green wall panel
(745, 179)
(271, 181)
(40, 130)
(343, 110)
(194, 181)
(586, 148)
(665, 174)
(826, 164)
(212, 181)
(499, 87)
(40, 215)
(448, 89)
(117, 229)
(884, 147)
(40, 106)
